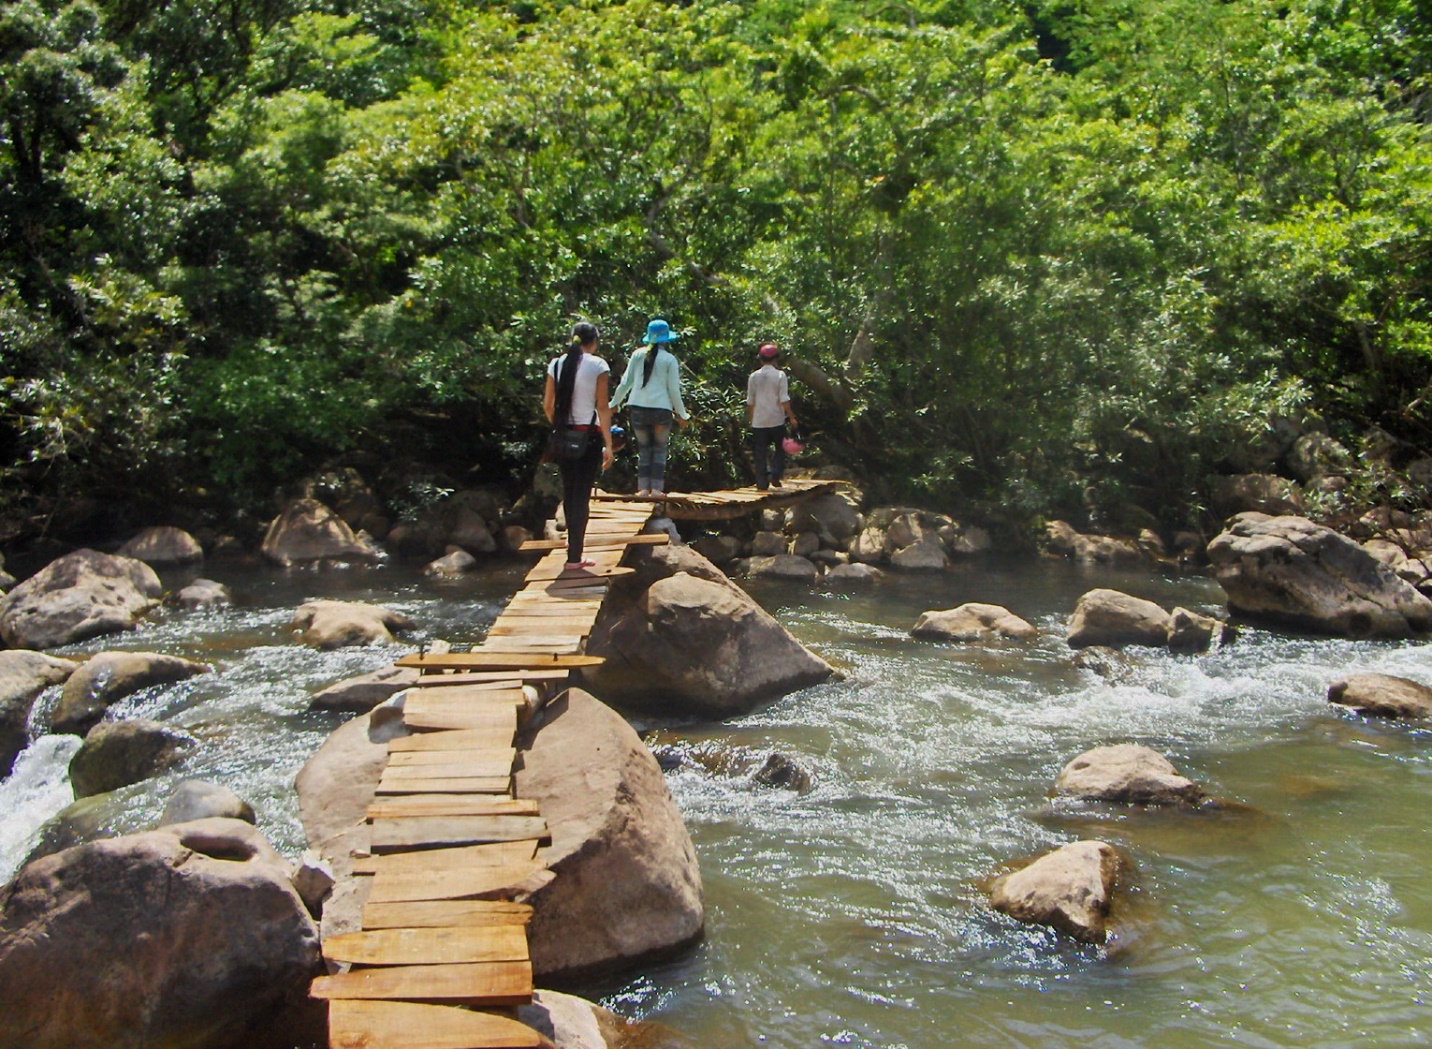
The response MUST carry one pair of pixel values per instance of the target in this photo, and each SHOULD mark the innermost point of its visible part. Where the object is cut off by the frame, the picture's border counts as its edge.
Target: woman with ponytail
(652, 382)
(576, 400)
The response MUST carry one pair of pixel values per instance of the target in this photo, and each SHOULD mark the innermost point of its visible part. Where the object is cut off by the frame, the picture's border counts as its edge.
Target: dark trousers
(769, 467)
(578, 477)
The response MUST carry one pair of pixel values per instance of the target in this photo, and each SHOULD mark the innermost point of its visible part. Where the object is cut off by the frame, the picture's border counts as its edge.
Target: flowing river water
(853, 914)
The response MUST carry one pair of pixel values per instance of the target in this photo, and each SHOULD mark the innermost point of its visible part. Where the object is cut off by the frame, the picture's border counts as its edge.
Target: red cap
(768, 350)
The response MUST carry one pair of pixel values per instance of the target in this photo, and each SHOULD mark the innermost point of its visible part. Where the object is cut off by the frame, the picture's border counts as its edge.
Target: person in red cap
(768, 409)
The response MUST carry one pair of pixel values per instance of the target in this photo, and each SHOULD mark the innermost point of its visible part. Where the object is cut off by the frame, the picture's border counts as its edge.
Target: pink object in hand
(792, 446)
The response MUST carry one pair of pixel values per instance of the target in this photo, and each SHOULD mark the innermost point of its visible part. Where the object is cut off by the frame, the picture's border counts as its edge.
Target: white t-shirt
(584, 393)
(768, 389)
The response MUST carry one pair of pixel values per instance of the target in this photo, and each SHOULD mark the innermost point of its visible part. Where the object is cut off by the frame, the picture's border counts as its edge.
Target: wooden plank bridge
(441, 961)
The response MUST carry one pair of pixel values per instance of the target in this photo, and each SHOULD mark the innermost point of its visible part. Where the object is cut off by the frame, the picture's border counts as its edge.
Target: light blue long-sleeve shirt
(664, 390)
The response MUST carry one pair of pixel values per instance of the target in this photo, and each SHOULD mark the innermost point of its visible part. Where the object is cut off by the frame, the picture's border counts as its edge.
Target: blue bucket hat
(659, 331)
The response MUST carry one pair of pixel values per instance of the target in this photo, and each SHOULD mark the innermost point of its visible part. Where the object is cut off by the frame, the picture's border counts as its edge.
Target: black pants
(762, 439)
(578, 477)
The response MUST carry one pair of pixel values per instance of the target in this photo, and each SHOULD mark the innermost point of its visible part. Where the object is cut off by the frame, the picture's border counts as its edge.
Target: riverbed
(853, 915)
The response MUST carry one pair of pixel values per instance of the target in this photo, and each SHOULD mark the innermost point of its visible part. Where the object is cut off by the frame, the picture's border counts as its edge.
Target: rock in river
(118, 753)
(110, 676)
(79, 596)
(1070, 889)
(1289, 570)
(189, 937)
(23, 676)
(1111, 617)
(163, 545)
(973, 621)
(309, 531)
(1382, 695)
(1128, 774)
(628, 888)
(337, 624)
(681, 639)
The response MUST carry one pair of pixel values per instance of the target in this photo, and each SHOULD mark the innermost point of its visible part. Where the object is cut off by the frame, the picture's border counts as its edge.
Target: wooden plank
(487, 677)
(455, 785)
(479, 983)
(442, 913)
(471, 721)
(495, 738)
(529, 604)
(500, 943)
(483, 693)
(492, 768)
(398, 805)
(463, 857)
(596, 573)
(574, 587)
(412, 1025)
(463, 884)
(565, 644)
(511, 624)
(598, 542)
(495, 661)
(493, 705)
(501, 756)
(429, 831)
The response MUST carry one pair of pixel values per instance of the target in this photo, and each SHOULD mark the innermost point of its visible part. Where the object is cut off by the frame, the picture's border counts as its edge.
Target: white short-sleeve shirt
(584, 393)
(767, 390)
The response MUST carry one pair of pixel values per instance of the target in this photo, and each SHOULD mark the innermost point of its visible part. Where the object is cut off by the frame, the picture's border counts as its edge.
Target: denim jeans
(768, 467)
(652, 427)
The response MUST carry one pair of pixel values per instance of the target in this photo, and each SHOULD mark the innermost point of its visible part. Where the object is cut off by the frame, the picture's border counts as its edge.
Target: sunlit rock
(23, 676)
(1288, 570)
(1070, 889)
(1111, 617)
(163, 545)
(1382, 695)
(203, 594)
(189, 937)
(109, 677)
(79, 596)
(1126, 774)
(197, 799)
(309, 531)
(327, 624)
(973, 621)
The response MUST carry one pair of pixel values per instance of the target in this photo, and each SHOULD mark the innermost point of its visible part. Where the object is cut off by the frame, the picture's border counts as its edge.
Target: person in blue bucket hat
(651, 385)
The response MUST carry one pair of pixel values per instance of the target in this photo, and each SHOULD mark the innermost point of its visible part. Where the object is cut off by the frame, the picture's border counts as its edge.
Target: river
(853, 915)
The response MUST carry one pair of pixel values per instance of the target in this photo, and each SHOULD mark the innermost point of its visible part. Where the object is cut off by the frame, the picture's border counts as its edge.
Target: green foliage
(1056, 256)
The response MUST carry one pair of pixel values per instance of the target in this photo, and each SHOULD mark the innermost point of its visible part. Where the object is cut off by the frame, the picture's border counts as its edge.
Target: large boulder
(79, 596)
(926, 554)
(628, 888)
(189, 937)
(110, 676)
(1382, 695)
(831, 516)
(1291, 571)
(163, 545)
(328, 624)
(973, 621)
(1070, 889)
(1191, 632)
(1111, 617)
(309, 531)
(1127, 774)
(682, 639)
(23, 676)
(118, 753)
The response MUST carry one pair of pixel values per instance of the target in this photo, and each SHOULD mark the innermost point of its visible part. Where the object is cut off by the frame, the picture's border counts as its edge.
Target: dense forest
(1052, 256)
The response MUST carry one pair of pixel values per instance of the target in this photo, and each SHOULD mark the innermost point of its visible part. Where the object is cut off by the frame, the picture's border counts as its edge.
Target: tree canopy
(1058, 255)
